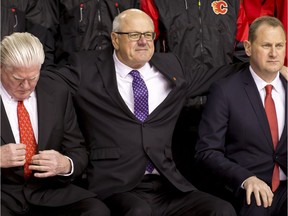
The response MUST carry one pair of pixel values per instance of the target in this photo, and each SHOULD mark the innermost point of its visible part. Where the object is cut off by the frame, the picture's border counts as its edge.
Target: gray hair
(21, 49)
(116, 24)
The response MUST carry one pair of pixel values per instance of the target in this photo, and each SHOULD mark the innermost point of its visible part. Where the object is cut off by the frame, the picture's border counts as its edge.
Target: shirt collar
(261, 83)
(6, 97)
(123, 70)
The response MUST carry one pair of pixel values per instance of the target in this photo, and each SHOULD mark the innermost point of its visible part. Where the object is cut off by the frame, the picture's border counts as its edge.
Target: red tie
(26, 136)
(272, 119)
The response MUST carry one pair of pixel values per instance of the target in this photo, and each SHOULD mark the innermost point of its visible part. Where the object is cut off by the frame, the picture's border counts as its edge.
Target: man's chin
(21, 97)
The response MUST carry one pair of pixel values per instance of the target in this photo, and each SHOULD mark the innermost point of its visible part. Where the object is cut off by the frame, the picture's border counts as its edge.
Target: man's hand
(12, 155)
(261, 191)
(49, 163)
(284, 72)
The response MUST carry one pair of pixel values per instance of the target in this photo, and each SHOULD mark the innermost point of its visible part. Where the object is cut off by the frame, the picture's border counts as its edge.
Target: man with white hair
(42, 149)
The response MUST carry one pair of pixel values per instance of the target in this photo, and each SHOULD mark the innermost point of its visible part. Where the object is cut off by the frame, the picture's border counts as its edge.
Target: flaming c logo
(219, 7)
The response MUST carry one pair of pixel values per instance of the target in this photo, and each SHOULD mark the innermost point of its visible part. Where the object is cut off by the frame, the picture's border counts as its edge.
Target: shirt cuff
(72, 168)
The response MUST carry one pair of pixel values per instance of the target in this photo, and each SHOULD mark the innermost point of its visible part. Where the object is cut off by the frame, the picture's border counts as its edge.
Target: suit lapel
(6, 131)
(283, 137)
(172, 77)
(8, 137)
(46, 111)
(255, 101)
(106, 68)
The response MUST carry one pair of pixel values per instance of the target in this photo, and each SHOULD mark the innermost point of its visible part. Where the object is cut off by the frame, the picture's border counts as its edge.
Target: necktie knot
(268, 89)
(135, 74)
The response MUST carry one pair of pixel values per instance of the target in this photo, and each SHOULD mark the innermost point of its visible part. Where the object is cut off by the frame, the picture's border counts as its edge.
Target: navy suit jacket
(58, 130)
(235, 140)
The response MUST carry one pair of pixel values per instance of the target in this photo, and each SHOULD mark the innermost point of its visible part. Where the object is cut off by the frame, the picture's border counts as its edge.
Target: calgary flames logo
(219, 7)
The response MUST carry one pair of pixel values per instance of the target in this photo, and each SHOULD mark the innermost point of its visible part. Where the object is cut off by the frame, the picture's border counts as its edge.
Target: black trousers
(154, 196)
(86, 207)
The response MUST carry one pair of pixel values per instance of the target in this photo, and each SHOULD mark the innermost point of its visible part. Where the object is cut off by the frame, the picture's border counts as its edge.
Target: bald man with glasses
(128, 100)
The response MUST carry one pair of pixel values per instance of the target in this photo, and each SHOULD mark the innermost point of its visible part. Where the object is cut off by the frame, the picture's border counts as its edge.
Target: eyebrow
(30, 78)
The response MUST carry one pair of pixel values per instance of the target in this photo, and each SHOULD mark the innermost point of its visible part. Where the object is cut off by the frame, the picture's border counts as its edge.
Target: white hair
(21, 49)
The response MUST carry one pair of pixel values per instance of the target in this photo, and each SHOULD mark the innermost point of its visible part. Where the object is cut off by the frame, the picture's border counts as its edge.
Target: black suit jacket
(58, 130)
(235, 140)
(119, 143)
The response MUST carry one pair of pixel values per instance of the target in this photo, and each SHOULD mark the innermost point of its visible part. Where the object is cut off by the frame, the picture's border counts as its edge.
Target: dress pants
(155, 196)
(86, 207)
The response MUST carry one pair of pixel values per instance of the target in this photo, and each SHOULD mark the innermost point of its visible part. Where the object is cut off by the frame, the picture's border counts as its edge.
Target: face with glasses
(134, 43)
(136, 36)
(20, 82)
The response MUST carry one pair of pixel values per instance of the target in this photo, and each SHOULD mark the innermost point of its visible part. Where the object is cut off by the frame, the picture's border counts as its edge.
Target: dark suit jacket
(119, 143)
(235, 140)
(58, 130)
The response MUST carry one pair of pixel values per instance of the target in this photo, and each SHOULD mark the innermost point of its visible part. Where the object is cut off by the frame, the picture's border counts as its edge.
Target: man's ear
(1, 68)
(115, 40)
(247, 46)
(284, 72)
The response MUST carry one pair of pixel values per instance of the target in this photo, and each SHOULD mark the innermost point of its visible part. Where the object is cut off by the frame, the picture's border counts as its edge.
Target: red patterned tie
(272, 119)
(26, 136)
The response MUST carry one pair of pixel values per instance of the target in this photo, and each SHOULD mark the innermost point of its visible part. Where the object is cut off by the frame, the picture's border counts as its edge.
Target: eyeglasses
(135, 36)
